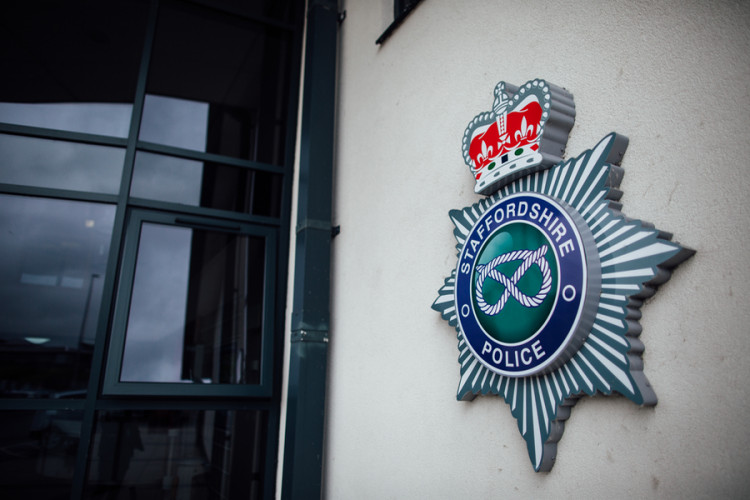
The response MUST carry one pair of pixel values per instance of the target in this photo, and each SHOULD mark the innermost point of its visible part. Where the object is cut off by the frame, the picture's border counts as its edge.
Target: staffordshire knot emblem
(510, 288)
(550, 276)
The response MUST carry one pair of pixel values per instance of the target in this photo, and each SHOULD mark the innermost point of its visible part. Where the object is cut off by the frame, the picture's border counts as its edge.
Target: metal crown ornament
(551, 276)
(526, 131)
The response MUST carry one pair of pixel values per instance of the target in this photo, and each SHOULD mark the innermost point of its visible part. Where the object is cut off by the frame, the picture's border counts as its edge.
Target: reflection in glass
(239, 69)
(174, 122)
(53, 255)
(196, 307)
(214, 185)
(199, 455)
(267, 194)
(29, 161)
(167, 178)
(38, 453)
(87, 117)
(71, 65)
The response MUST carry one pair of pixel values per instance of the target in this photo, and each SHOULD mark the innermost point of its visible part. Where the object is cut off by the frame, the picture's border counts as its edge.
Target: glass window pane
(71, 65)
(210, 185)
(222, 79)
(29, 161)
(196, 307)
(38, 453)
(181, 123)
(178, 454)
(86, 117)
(53, 256)
(267, 194)
(167, 178)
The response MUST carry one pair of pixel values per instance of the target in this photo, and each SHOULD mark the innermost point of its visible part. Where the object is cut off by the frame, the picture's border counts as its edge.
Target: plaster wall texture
(672, 76)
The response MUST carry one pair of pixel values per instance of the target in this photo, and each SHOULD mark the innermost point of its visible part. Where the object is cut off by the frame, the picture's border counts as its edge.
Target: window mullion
(113, 261)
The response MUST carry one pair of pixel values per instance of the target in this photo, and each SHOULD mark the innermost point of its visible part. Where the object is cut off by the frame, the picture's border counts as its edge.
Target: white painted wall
(671, 75)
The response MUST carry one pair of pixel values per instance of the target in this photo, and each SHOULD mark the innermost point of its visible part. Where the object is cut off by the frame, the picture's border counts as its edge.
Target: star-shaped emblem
(555, 245)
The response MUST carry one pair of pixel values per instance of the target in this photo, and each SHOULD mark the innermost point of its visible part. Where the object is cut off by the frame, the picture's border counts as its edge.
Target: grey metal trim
(153, 147)
(57, 193)
(308, 354)
(62, 135)
(310, 336)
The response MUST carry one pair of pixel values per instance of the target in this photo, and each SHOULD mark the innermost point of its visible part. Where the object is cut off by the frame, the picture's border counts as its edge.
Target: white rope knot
(529, 258)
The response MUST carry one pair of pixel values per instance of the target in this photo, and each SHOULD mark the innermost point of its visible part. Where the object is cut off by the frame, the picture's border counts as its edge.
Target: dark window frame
(401, 9)
(114, 386)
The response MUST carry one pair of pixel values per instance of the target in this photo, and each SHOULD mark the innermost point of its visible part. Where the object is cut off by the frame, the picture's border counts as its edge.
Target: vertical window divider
(115, 251)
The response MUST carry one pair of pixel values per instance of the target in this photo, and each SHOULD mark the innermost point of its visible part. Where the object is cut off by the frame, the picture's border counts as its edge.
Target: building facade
(672, 77)
(179, 319)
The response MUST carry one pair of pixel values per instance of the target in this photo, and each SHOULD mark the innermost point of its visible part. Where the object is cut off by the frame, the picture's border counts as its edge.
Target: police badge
(550, 278)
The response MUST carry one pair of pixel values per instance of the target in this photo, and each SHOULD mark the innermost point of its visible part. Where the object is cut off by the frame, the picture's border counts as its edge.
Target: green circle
(515, 323)
(519, 151)
(491, 166)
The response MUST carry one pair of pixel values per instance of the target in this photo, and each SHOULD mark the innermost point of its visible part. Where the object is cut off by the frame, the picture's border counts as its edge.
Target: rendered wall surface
(673, 77)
